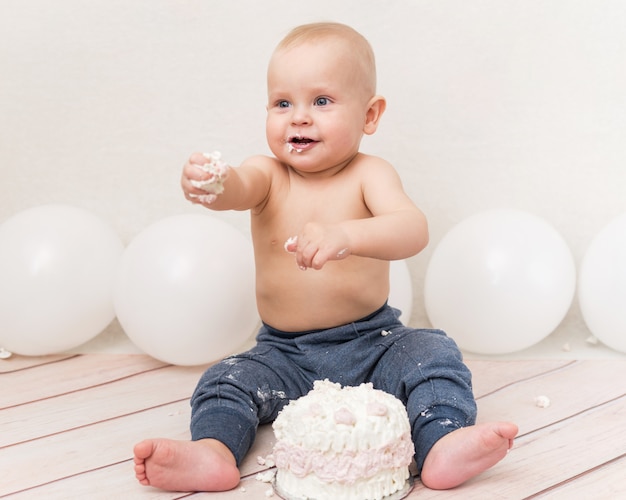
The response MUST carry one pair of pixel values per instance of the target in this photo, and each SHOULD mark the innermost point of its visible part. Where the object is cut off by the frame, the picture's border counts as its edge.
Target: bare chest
(294, 204)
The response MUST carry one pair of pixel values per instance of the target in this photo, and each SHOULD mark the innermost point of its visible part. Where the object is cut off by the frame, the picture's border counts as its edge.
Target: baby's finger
(320, 259)
(305, 255)
(291, 245)
(197, 159)
(195, 172)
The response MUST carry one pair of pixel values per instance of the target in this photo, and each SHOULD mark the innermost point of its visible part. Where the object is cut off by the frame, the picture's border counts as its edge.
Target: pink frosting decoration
(344, 416)
(345, 467)
(377, 409)
(316, 409)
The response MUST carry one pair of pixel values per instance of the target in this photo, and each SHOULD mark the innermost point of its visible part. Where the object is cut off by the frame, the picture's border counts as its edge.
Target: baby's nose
(300, 115)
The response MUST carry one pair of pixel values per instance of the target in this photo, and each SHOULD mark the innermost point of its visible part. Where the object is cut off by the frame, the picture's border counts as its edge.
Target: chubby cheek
(278, 147)
(275, 134)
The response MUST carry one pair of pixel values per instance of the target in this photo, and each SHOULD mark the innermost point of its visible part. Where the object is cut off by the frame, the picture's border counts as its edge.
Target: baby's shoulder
(268, 166)
(370, 166)
(261, 161)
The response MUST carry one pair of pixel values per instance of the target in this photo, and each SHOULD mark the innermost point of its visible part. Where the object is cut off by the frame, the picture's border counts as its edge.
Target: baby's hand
(203, 177)
(317, 244)
(217, 170)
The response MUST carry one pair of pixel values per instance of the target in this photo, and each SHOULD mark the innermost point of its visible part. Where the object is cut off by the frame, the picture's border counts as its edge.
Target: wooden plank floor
(68, 424)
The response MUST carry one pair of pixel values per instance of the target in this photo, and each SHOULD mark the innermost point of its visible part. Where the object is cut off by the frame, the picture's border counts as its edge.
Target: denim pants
(421, 367)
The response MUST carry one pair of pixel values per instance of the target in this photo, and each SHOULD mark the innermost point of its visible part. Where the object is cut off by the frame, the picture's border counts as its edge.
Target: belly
(343, 291)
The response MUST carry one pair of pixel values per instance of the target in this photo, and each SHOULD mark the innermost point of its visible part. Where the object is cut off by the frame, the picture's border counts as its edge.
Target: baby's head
(355, 50)
(321, 85)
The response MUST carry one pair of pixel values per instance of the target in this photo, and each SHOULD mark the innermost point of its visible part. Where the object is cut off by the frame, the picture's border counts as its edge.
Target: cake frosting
(350, 443)
(214, 185)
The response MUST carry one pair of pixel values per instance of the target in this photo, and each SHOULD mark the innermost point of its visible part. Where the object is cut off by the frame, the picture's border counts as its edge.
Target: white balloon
(185, 289)
(56, 279)
(401, 289)
(499, 281)
(602, 285)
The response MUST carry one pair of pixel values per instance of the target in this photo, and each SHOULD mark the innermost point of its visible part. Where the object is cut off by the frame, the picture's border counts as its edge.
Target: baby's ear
(375, 109)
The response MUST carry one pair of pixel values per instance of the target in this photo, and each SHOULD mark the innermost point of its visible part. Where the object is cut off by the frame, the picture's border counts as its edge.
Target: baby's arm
(396, 230)
(208, 181)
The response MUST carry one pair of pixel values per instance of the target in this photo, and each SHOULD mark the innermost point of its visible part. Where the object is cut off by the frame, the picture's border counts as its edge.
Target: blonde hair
(360, 48)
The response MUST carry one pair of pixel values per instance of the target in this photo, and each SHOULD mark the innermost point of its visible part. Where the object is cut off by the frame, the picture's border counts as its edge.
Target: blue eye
(322, 101)
(282, 104)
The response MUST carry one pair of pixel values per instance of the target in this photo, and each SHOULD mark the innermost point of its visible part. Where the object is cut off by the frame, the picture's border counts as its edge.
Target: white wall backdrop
(491, 103)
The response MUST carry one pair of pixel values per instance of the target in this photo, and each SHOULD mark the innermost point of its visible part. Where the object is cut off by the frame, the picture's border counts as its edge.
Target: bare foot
(205, 465)
(465, 453)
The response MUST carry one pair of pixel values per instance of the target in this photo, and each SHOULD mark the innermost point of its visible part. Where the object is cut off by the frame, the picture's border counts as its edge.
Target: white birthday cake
(350, 443)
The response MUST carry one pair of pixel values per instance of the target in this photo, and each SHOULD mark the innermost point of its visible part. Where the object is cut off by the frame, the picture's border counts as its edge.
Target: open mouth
(299, 143)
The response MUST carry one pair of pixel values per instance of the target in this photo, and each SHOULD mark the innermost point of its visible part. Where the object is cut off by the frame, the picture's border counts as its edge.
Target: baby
(342, 216)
